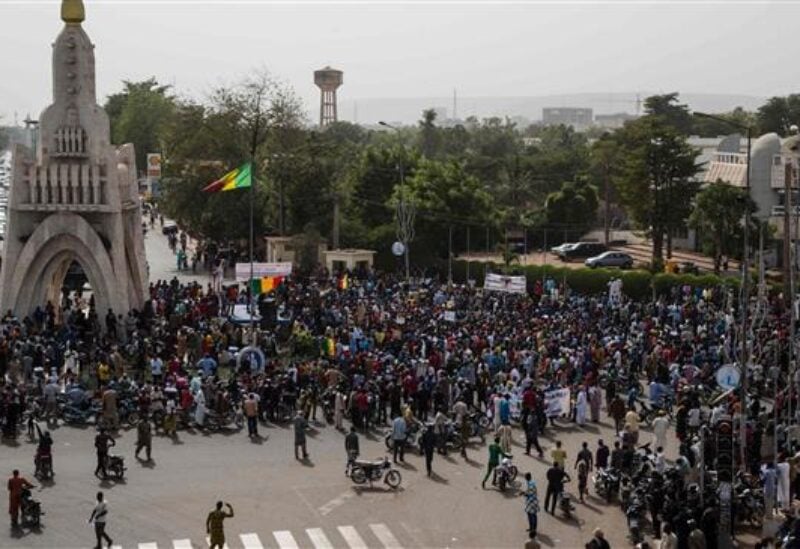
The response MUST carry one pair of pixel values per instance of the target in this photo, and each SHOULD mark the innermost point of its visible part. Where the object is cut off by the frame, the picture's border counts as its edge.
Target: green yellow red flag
(240, 178)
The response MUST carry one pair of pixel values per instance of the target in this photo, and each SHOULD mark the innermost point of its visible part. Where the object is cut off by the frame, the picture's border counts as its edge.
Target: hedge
(636, 284)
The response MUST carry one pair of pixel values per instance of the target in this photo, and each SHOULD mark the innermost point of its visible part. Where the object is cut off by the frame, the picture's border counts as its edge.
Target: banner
(502, 283)
(261, 270)
(556, 403)
(154, 165)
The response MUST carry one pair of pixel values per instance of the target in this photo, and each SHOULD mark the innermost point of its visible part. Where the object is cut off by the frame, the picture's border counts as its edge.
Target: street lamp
(745, 352)
(405, 212)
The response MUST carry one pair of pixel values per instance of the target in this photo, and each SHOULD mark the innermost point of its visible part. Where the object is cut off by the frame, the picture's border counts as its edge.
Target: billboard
(154, 165)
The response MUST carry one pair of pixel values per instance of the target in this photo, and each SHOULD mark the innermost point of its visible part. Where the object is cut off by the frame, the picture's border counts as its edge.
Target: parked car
(582, 250)
(563, 247)
(610, 259)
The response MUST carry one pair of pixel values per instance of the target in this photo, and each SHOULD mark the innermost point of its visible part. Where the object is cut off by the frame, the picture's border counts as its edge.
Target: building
(613, 121)
(73, 200)
(578, 118)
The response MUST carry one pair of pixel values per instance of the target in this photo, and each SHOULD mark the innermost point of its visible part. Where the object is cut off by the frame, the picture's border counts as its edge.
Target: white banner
(556, 403)
(502, 283)
(260, 270)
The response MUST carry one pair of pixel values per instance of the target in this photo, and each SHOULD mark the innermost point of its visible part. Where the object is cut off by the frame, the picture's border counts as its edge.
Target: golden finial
(72, 11)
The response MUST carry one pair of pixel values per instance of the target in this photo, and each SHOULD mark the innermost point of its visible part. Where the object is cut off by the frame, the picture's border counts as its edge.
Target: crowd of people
(440, 358)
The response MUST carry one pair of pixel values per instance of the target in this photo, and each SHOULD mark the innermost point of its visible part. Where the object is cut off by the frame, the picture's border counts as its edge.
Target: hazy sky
(413, 49)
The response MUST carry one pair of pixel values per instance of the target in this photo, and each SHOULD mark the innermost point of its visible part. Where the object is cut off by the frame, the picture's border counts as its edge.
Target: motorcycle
(44, 467)
(566, 505)
(634, 514)
(506, 473)
(411, 437)
(606, 483)
(30, 510)
(217, 422)
(116, 466)
(78, 415)
(363, 471)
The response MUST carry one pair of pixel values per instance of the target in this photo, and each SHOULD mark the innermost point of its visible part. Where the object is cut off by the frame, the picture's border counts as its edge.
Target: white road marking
(318, 538)
(285, 539)
(385, 535)
(251, 541)
(148, 546)
(352, 538)
(208, 541)
(336, 502)
(182, 543)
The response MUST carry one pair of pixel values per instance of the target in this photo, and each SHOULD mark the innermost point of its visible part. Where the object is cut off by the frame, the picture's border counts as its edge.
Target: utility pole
(787, 231)
(607, 209)
(467, 255)
(450, 254)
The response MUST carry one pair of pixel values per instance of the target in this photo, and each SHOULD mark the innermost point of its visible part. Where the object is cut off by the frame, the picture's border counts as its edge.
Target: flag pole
(252, 232)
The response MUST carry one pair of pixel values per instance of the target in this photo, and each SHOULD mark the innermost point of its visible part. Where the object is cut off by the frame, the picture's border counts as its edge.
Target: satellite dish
(398, 248)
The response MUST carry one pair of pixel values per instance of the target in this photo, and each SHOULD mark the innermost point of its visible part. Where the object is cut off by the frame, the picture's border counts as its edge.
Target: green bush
(636, 284)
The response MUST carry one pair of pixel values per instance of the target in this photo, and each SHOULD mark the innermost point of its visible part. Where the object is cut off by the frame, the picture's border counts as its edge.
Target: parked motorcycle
(77, 415)
(412, 433)
(634, 515)
(363, 471)
(606, 483)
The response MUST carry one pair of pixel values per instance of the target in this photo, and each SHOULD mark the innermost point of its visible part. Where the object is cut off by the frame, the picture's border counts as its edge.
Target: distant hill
(408, 109)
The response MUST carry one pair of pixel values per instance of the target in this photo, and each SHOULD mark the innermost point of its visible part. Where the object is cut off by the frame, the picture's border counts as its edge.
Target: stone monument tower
(75, 198)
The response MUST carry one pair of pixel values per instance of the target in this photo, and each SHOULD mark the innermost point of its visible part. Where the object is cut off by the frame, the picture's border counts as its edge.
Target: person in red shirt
(16, 484)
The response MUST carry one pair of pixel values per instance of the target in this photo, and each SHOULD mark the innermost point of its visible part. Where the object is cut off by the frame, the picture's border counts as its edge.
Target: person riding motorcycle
(44, 450)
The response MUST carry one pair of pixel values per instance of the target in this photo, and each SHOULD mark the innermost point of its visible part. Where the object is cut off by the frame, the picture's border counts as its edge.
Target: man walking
(428, 444)
(399, 437)
(555, 485)
(532, 435)
(300, 426)
(144, 437)
(102, 442)
(214, 525)
(16, 484)
(351, 446)
(495, 451)
(99, 517)
(251, 413)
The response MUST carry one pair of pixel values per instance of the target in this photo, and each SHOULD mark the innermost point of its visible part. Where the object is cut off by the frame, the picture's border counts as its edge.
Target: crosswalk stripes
(251, 541)
(352, 537)
(318, 538)
(208, 542)
(385, 536)
(286, 540)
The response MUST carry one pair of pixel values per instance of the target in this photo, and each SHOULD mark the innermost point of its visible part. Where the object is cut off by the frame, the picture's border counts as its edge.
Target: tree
(573, 207)
(709, 127)
(202, 142)
(603, 168)
(656, 183)
(717, 216)
(139, 114)
(778, 114)
(429, 137)
(669, 111)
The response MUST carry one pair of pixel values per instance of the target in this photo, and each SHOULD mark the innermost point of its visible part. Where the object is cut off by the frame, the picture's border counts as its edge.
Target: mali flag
(240, 178)
(269, 283)
(343, 282)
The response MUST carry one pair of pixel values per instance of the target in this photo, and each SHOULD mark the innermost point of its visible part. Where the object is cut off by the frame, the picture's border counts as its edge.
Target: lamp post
(405, 214)
(745, 350)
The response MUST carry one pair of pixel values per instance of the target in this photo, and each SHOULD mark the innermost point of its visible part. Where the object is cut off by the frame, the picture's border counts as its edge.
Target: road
(282, 502)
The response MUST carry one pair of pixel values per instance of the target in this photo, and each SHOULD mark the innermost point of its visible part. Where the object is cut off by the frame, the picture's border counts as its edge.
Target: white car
(610, 259)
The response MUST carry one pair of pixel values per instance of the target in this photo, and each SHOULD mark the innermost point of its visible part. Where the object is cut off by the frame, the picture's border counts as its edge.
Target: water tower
(328, 80)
